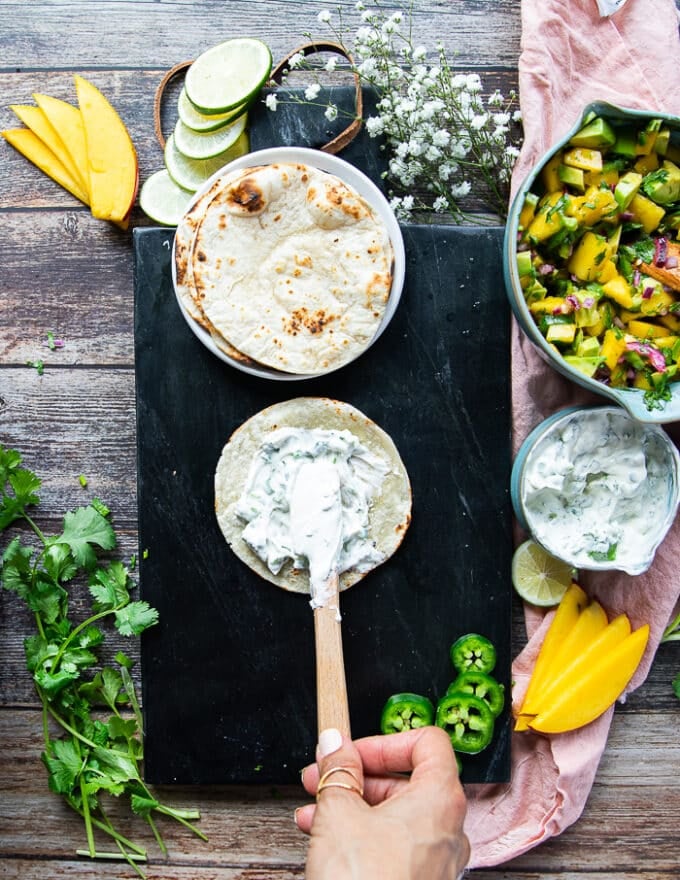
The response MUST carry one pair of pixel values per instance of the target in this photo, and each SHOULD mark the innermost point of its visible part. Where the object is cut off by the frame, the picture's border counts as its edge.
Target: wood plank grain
(126, 35)
(252, 828)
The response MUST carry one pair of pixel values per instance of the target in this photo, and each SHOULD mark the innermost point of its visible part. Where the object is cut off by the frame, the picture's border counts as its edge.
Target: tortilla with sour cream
(390, 509)
(291, 267)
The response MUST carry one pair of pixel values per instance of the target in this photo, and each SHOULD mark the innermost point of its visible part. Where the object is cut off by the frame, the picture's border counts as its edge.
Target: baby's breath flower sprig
(446, 143)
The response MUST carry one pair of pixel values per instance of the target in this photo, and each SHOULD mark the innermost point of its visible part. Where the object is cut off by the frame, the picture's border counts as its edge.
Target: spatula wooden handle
(331, 686)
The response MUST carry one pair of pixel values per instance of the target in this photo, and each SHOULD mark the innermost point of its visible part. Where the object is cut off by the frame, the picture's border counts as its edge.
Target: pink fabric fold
(570, 56)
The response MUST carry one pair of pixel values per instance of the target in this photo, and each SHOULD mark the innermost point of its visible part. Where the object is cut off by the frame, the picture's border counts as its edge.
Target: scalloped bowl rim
(631, 399)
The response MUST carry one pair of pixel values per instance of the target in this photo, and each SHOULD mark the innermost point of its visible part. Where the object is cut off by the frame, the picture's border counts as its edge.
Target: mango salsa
(599, 252)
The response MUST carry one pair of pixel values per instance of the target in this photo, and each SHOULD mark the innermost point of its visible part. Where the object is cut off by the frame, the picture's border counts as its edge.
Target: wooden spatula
(316, 524)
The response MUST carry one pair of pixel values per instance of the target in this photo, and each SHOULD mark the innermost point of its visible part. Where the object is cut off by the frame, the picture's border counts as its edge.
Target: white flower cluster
(441, 135)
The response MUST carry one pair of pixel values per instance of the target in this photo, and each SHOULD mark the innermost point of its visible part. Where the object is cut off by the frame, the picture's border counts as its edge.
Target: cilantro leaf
(63, 765)
(109, 587)
(22, 484)
(135, 618)
(83, 528)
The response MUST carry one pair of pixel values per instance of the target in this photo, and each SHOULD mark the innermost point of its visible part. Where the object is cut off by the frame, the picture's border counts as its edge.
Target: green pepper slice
(406, 712)
(473, 652)
(468, 721)
(482, 685)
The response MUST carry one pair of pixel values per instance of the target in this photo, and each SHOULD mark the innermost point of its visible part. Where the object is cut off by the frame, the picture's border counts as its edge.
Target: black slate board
(228, 674)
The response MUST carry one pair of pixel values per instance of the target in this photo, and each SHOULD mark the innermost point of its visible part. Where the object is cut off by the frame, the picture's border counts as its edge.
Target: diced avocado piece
(663, 185)
(595, 134)
(561, 333)
(586, 365)
(626, 142)
(524, 264)
(588, 347)
(571, 177)
(627, 188)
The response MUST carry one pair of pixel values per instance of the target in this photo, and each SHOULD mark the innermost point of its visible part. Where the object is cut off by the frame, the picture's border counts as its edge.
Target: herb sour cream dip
(345, 479)
(600, 490)
(265, 503)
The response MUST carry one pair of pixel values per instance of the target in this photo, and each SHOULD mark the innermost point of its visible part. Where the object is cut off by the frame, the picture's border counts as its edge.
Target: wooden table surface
(65, 272)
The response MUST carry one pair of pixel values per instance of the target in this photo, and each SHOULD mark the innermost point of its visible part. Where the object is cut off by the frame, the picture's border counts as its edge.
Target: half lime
(538, 577)
(191, 174)
(228, 75)
(162, 200)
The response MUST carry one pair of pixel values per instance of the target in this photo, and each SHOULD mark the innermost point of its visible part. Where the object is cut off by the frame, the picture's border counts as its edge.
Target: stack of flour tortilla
(285, 266)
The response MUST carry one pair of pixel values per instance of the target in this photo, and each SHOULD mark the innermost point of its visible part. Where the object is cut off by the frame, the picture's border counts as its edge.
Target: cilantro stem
(107, 828)
(78, 629)
(672, 631)
(177, 815)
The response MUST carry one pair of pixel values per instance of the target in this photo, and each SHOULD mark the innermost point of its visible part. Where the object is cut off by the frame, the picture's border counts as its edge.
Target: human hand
(403, 827)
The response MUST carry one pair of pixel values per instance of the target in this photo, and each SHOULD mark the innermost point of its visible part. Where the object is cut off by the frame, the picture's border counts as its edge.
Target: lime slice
(208, 144)
(162, 200)
(193, 173)
(228, 75)
(199, 121)
(538, 577)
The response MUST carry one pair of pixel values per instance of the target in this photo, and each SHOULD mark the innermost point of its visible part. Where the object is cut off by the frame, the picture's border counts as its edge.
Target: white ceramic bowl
(366, 188)
(557, 479)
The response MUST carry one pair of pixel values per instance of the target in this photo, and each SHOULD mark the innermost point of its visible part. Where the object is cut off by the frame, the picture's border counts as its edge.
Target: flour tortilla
(185, 235)
(292, 267)
(390, 510)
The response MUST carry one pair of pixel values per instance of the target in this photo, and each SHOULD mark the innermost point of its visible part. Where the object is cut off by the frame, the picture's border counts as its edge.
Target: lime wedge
(162, 200)
(228, 75)
(191, 174)
(199, 121)
(538, 577)
(208, 144)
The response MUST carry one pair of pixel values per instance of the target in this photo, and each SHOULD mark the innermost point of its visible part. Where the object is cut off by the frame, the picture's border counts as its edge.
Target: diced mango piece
(645, 330)
(548, 219)
(648, 214)
(549, 175)
(549, 305)
(593, 206)
(613, 347)
(586, 261)
(619, 290)
(584, 158)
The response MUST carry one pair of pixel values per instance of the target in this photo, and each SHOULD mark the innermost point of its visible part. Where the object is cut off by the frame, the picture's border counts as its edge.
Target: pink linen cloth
(570, 56)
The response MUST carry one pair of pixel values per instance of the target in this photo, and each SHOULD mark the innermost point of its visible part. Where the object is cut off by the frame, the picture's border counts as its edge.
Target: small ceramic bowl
(361, 184)
(597, 488)
(633, 399)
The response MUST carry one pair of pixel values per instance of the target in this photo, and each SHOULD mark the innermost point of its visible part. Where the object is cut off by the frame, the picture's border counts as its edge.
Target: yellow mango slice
(111, 156)
(587, 697)
(35, 119)
(68, 123)
(580, 667)
(566, 615)
(33, 148)
(583, 157)
(591, 621)
(549, 176)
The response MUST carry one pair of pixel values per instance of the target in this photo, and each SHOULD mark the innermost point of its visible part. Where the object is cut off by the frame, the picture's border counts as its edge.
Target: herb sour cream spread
(350, 476)
(600, 490)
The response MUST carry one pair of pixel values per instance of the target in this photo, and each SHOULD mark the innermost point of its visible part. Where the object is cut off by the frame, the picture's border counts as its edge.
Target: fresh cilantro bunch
(672, 634)
(91, 755)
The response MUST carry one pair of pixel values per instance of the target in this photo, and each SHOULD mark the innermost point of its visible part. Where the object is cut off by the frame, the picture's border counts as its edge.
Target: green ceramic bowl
(633, 400)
